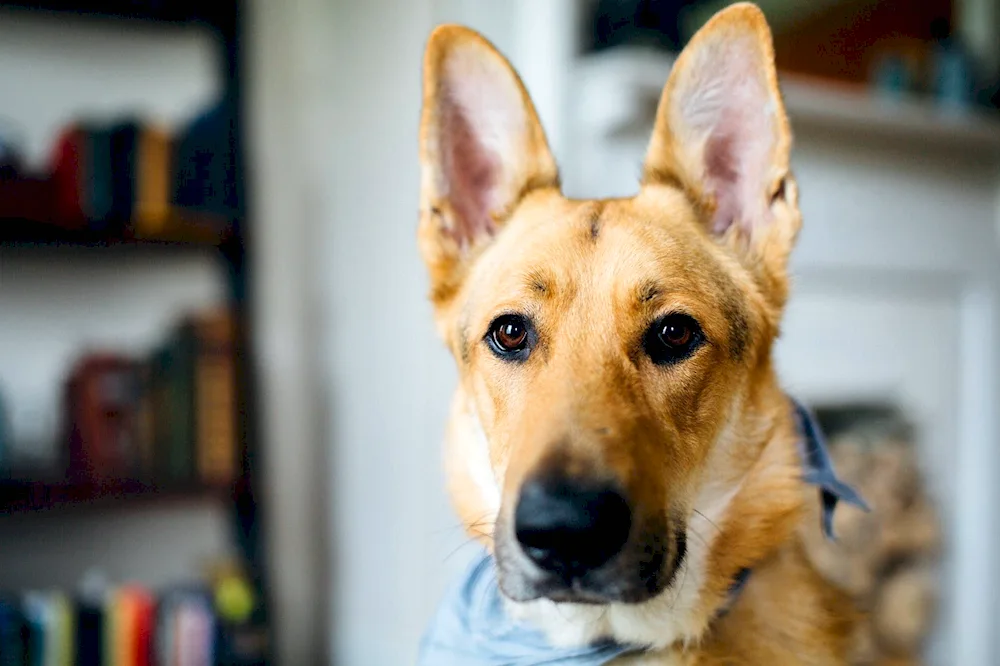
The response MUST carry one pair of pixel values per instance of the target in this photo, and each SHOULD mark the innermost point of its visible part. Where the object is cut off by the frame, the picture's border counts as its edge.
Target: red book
(142, 610)
(69, 178)
(102, 405)
(27, 199)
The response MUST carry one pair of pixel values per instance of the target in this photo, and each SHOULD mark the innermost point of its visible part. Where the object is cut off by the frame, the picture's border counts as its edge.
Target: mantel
(619, 90)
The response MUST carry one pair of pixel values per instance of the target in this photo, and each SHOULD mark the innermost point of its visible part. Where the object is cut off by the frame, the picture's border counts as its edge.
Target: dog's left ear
(482, 149)
(721, 132)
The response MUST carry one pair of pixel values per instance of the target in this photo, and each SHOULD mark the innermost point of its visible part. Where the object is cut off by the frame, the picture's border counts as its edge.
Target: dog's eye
(672, 338)
(508, 337)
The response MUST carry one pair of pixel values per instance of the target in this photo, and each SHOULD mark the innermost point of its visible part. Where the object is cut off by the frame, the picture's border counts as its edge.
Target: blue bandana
(471, 627)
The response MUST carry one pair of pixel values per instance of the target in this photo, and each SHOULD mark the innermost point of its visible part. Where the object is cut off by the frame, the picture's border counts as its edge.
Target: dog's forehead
(628, 248)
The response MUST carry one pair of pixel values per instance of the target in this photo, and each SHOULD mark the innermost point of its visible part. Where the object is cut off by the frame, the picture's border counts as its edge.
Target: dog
(619, 441)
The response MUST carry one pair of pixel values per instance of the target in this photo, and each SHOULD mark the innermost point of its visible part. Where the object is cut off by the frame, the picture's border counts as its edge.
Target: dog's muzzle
(579, 540)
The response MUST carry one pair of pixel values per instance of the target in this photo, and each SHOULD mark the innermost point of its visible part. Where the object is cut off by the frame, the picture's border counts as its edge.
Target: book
(205, 163)
(90, 636)
(63, 644)
(173, 416)
(146, 469)
(194, 401)
(211, 343)
(102, 410)
(4, 440)
(12, 633)
(117, 628)
(124, 144)
(185, 628)
(140, 642)
(35, 607)
(69, 175)
(126, 626)
(151, 210)
(99, 198)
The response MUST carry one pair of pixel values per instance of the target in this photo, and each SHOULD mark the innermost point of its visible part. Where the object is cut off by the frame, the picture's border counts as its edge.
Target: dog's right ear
(482, 149)
(723, 136)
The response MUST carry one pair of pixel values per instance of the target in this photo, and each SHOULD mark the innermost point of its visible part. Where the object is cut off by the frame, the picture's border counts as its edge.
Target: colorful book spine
(151, 213)
(180, 411)
(124, 157)
(69, 176)
(102, 412)
(100, 184)
(187, 629)
(12, 633)
(90, 636)
(173, 414)
(129, 626)
(146, 461)
(63, 644)
(169, 421)
(215, 397)
(39, 628)
(4, 441)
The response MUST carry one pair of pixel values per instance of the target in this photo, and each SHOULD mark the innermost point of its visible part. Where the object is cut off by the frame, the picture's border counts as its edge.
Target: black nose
(571, 526)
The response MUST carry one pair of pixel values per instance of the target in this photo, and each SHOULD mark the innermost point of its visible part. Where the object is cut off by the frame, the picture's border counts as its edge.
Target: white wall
(389, 376)
(54, 303)
(290, 122)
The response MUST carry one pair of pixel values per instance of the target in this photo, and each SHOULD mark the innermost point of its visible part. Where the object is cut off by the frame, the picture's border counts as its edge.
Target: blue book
(4, 441)
(36, 616)
(99, 185)
(124, 140)
(12, 633)
(89, 633)
(205, 163)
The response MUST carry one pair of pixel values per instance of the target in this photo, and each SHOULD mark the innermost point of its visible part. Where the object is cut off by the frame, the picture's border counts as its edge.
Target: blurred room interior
(220, 388)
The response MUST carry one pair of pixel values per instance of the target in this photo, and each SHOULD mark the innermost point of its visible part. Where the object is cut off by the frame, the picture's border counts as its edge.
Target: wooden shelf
(218, 13)
(27, 232)
(28, 216)
(28, 496)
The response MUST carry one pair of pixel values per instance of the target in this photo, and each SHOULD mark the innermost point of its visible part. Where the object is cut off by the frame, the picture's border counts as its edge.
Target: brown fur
(592, 275)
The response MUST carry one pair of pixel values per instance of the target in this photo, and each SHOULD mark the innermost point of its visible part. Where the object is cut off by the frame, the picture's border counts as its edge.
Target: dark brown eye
(508, 337)
(672, 338)
(675, 333)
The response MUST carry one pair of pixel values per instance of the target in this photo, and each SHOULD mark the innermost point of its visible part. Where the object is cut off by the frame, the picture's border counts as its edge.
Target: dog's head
(609, 351)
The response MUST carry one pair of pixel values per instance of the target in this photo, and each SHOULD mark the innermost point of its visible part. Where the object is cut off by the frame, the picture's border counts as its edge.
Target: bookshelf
(221, 14)
(20, 231)
(226, 236)
(38, 496)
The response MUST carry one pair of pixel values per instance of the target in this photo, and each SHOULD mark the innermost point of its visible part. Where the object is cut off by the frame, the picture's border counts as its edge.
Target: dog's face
(605, 348)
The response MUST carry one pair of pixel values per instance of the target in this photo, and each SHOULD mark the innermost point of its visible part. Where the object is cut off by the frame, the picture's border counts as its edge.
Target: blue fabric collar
(472, 628)
(817, 469)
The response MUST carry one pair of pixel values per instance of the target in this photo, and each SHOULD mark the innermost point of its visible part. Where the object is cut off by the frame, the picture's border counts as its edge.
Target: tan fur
(709, 442)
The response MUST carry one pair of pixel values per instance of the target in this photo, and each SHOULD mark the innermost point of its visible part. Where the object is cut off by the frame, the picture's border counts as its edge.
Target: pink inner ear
(471, 172)
(726, 101)
(722, 171)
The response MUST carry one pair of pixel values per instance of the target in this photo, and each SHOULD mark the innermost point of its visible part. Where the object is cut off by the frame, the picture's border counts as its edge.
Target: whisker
(467, 542)
(482, 521)
(708, 520)
(695, 532)
(680, 588)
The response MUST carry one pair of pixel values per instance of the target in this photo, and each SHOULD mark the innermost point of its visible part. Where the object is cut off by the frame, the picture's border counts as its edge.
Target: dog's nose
(571, 526)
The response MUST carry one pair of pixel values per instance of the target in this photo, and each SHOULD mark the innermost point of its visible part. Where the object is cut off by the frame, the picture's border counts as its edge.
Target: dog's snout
(571, 526)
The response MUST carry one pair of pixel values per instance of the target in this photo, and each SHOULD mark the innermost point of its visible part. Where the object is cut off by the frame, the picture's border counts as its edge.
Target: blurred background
(221, 395)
